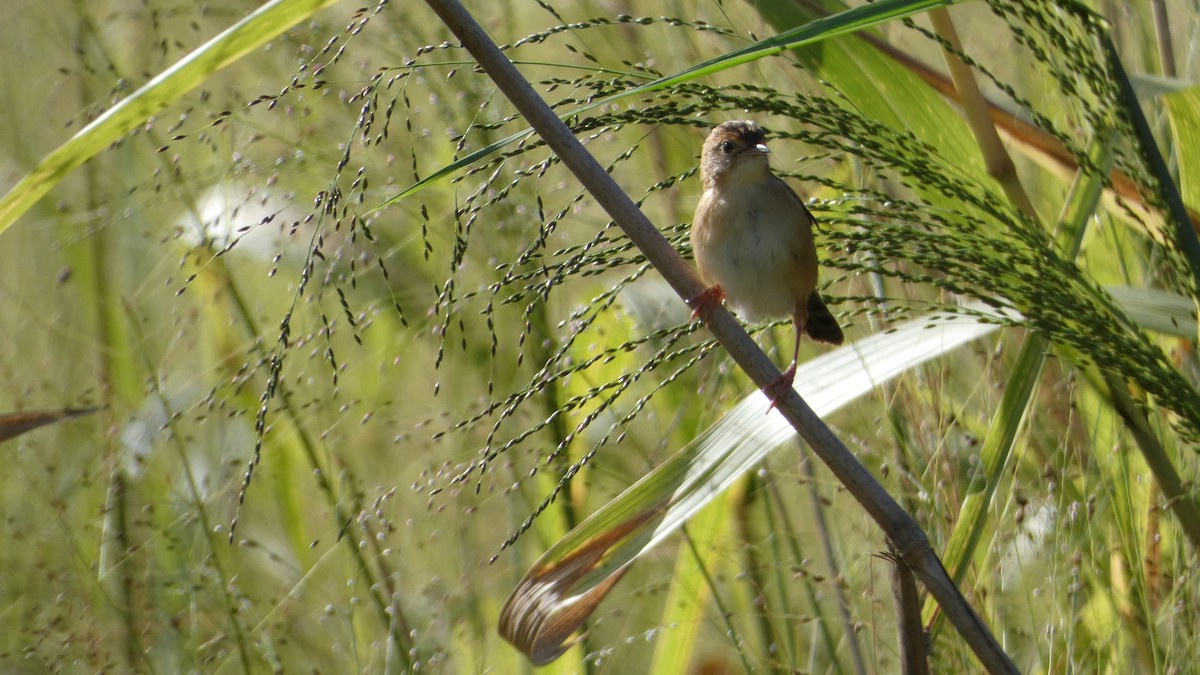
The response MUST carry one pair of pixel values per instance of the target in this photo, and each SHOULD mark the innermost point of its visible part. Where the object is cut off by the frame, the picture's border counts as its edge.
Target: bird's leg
(702, 304)
(780, 386)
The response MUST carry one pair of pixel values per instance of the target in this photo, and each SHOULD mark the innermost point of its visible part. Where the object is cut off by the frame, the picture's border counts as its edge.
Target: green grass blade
(843, 23)
(451, 168)
(1183, 114)
(264, 25)
(882, 89)
(1184, 234)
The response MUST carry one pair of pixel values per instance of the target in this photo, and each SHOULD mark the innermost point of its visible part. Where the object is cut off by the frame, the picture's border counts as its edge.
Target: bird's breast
(757, 248)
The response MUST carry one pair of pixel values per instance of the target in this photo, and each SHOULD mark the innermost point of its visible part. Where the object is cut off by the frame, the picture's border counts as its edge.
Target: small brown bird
(753, 241)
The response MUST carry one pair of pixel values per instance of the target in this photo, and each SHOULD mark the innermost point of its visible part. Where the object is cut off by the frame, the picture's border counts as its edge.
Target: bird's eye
(727, 147)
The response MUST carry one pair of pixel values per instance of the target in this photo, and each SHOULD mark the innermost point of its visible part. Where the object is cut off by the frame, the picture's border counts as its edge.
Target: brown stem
(999, 164)
(913, 657)
(1162, 34)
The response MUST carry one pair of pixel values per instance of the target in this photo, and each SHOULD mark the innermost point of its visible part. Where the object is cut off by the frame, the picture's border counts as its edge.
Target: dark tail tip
(821, 325)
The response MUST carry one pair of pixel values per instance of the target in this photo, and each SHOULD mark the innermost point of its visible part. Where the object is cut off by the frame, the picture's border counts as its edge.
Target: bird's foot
(702, 304)
(780, 386)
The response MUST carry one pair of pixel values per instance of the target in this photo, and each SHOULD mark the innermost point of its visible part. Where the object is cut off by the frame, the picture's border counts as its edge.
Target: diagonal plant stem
(903, 532)
(784, 525)
(999, 164)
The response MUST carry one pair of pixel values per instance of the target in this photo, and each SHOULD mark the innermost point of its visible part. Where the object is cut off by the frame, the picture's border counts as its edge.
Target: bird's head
(735, 151)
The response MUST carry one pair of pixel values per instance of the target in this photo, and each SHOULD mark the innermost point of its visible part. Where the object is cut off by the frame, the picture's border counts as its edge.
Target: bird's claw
(702, 304)
(780, 386)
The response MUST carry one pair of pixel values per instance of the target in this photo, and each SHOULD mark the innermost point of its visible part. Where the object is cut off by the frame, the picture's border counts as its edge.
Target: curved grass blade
(560, 591)
(454, 166)
(262, 26)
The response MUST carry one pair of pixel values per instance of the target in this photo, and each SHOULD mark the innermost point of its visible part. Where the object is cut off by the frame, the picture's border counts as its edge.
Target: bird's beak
(762, 147)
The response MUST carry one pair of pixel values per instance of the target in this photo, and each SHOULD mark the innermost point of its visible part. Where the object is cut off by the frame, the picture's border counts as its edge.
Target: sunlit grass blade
(1156, 310)
(566, 584)
(264, 25)
(856, 19)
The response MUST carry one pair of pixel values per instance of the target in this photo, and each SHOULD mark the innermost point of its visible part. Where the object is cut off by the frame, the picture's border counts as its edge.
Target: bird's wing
(799, 203)
(805, 278)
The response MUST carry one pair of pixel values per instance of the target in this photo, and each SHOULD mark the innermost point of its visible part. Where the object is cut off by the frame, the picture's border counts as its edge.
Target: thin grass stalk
(1128, 499)
(831, 561)
(398, 627)
(1152, 543)
(117, 385)
(1162, 37)
(684, 606)
(116, 535)
(550, 397)
(787, 633)
(176, 437)
(726, 616)
(910, 541)
(784, 528)
(753, 490)
(1178, 496)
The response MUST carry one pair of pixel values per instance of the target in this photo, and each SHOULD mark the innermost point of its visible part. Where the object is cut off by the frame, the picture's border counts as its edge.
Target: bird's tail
(821, 326)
